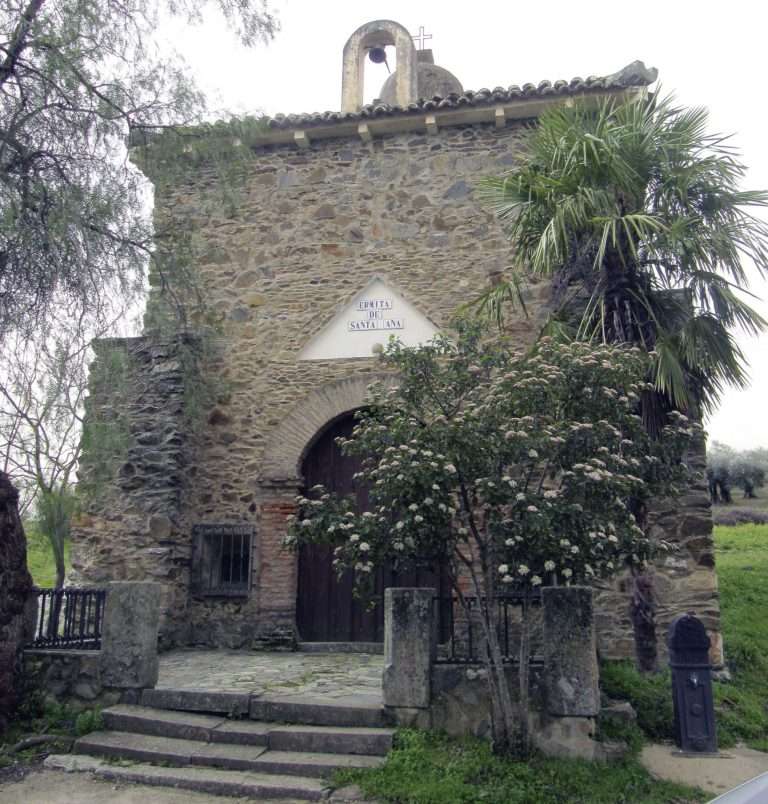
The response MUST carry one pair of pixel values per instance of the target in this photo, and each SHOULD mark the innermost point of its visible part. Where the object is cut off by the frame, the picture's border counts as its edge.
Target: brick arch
(292, 438)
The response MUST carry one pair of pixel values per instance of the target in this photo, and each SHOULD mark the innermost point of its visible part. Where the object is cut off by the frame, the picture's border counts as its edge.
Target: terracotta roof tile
(635, 74)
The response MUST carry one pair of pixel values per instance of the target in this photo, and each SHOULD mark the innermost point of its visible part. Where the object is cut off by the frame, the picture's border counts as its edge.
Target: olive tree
(515, 470)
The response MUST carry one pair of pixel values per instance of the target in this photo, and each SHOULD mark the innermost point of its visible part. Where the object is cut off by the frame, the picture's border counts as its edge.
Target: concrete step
(318, 712)
(353, 710)
(184, 725)
(213, 781)
(332, 739)
(215, 729)
(232, 704)
(148, 748)
(315, 765)
(154, 749)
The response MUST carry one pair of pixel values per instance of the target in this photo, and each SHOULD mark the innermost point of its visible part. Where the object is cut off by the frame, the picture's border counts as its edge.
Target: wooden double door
(327, 610)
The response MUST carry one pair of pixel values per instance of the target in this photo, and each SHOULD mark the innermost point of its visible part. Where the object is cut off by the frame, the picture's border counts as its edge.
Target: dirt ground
(715, 774)
(54, 787)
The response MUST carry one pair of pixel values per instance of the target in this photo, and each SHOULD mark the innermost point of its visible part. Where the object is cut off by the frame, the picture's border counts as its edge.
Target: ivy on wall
(106, 433)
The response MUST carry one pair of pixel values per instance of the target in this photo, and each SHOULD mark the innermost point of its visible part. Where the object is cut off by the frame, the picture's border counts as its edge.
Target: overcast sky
(707, 53)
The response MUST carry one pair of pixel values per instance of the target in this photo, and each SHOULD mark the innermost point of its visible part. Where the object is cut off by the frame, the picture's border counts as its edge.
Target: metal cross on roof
(421, 38)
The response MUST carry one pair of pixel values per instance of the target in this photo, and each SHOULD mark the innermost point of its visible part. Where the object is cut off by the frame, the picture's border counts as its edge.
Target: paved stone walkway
(332, 676)
(715, 774)
(54, 787)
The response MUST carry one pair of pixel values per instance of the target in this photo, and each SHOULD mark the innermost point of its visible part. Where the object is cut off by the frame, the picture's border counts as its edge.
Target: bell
(377, 55)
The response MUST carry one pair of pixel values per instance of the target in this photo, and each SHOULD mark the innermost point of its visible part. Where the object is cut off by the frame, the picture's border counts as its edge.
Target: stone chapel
(352, 226)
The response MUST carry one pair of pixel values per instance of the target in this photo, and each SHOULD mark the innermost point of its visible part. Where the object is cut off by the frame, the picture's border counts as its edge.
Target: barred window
(221, 560)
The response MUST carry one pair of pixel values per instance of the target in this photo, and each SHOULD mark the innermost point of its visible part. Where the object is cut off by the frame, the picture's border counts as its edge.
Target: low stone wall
(460, 703)
(73, 677)
(126, 664)
(564, 698)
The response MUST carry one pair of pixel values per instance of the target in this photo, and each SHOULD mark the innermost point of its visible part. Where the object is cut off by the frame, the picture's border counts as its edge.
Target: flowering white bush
(524, 469)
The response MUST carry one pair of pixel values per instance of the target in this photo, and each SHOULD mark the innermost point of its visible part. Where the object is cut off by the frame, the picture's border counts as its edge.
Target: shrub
(88, 721)
(650, 696)
(739, 516)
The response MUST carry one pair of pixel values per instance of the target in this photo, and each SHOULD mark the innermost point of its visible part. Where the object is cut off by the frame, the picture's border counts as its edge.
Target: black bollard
(692, 685)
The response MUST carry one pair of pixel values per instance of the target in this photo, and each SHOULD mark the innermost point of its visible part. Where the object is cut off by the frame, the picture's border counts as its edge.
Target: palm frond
(505, 295)
(642, 207)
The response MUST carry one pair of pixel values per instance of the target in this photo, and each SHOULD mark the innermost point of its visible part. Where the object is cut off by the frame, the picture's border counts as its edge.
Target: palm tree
(634, 213)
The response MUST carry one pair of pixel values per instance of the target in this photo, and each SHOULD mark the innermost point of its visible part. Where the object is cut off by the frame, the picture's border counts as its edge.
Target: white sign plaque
(375, 314)
(366, 323)
(371, 305)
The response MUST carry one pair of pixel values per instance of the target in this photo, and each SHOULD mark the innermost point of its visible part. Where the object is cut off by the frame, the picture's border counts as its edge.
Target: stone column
(129, 635)
(570, 655)
(409, 647)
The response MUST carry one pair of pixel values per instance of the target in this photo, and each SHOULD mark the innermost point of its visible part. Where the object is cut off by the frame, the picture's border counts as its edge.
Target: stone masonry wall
(73, 677)
(131, 529)
(684, 579)
(311, 228)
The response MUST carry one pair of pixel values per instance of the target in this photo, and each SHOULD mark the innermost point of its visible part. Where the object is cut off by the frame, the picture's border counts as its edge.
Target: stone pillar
(129, 635)
(570, 654)
(409, 647)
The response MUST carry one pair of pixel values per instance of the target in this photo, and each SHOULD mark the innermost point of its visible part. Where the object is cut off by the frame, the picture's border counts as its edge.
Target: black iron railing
(69, 618)
(460, 634)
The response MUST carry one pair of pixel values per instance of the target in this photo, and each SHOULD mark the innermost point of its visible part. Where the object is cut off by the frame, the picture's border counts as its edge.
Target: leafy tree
(54, 511)
(76, 77)
(727, 467)
(748, 476)
(42, 392)
(635, 214)
(513, 470)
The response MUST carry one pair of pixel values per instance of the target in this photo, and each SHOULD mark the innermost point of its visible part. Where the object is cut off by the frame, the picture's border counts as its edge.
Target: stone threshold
(376, 648)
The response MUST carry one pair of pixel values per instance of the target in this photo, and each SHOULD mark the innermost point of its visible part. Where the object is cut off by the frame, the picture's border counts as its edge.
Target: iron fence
(460, 634)
(69, 618)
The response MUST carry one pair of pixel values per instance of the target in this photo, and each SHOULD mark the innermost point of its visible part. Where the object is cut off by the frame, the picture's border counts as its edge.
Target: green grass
(759, 502)
(40, 557)
(426, 767)
(650, 697)
(36, 717)
(742, 568)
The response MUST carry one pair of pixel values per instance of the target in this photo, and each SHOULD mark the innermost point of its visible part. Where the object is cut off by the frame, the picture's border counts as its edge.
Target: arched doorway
(326, 609)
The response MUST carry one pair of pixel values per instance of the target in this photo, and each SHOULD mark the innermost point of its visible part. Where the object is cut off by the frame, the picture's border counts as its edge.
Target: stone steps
(181, 753)
(239, 784)
(351, 711)
(276, 736)
(214, 754)
(317, 712)
(278, 733)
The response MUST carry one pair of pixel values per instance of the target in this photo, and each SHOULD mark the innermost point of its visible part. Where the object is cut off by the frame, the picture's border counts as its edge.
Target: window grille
(221, 561)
